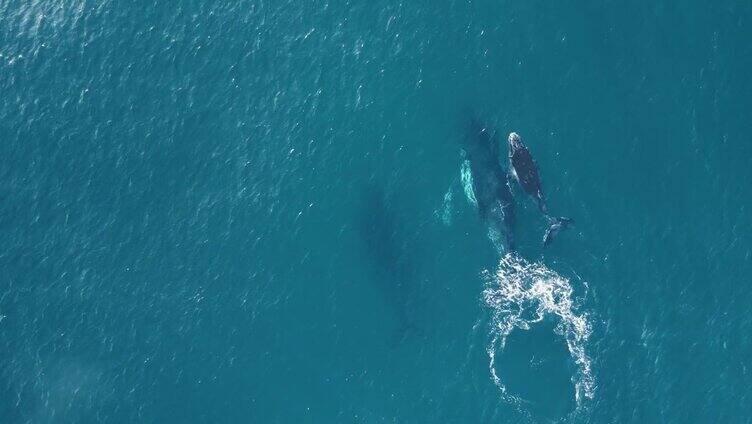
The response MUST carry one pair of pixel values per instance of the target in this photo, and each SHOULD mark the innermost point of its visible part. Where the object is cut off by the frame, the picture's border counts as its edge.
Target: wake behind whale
(521, 294)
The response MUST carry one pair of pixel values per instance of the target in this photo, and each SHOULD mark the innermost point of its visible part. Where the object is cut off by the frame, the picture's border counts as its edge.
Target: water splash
(521, 294)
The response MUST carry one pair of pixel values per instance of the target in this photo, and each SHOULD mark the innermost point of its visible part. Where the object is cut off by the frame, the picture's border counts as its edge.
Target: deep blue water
(254, 211)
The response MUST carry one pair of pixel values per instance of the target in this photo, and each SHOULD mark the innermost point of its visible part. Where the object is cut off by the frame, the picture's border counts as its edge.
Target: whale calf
(524, 169)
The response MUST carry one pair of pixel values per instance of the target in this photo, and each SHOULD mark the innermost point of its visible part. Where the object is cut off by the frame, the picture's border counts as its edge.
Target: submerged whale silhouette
(392, 268)
(490, 187)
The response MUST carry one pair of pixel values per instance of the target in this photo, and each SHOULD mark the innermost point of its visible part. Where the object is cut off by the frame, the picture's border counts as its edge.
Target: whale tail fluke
(555, 225)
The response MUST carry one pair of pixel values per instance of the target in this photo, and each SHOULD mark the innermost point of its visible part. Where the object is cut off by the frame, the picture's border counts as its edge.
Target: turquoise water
(254, 212)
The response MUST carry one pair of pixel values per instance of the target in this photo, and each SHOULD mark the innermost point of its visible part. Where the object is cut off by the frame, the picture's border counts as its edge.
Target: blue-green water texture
(262, 211)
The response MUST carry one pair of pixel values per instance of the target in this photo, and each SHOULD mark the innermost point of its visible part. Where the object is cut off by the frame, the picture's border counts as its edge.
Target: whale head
(515, 140)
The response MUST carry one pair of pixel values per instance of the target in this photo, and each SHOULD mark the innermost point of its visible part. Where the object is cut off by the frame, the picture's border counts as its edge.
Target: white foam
(521, 294)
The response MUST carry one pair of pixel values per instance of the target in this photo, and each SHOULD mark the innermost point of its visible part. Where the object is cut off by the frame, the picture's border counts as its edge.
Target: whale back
(525, 168)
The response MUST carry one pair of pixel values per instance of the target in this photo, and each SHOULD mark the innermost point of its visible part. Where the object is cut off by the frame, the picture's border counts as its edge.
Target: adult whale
(525, 171)
(490, 188)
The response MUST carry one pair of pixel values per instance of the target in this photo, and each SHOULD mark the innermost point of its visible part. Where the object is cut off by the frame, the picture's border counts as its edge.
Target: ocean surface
(258, 212)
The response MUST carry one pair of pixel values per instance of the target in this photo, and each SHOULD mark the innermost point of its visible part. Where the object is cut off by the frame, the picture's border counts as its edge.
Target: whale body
(490, 188)
(524, 169)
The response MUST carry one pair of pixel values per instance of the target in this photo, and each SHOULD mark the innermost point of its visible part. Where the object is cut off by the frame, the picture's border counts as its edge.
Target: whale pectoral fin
(512, 174)
(466, 178)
